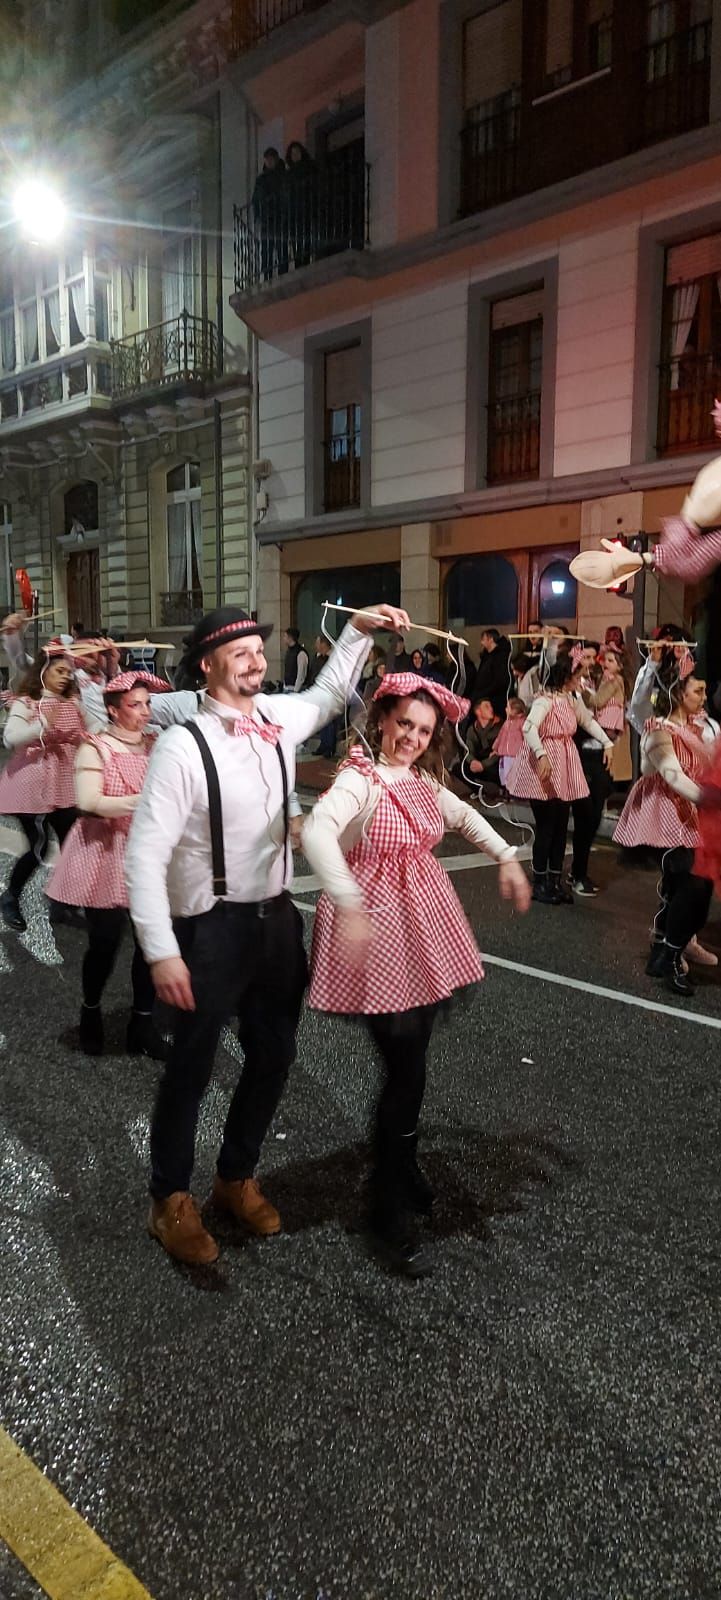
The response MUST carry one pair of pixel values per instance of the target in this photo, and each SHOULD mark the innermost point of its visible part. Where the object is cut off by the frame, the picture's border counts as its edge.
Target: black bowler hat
(218, 627)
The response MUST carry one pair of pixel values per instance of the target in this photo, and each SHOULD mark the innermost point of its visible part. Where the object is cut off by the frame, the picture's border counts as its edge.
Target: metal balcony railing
(324, 214)
(514, 432)
(252, 21)
(180, 607)
(688, 387)
(490, 151)
(674, 79)
(182, 350)
(341, 473)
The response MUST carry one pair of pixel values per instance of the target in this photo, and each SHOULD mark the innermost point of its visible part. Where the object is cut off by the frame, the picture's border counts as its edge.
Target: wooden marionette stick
(140, 644)
(420, 627)
(671, 644)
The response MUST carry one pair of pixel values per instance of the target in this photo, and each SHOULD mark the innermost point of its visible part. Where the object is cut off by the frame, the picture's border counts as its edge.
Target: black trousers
(587, 813)
(37, 832)
(402, 1039)
(685, 899)
(105, 936)
(549, 845)
(244, 961)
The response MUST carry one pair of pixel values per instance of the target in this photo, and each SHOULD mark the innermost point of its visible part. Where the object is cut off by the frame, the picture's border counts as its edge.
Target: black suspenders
(215, 808)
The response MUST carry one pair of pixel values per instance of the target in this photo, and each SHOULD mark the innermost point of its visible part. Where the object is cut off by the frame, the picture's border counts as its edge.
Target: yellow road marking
(50, 1539)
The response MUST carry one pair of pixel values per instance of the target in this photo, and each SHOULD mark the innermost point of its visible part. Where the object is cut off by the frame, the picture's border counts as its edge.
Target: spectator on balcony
(270, 208)
(492, 678)
(302, 189)
(295, 662)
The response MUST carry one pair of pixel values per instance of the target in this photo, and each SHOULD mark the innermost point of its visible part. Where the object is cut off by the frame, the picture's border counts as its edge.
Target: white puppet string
(458, 687)
(351, 693)
(418, 627)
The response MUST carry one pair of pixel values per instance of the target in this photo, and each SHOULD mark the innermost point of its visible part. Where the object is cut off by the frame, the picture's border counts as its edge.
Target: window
(690, 376)
(47, 306)
(577, 39)
(482, 591)
(7, 593)
(677, 67)
(80, 507)
(556, 593)
(184, 599)
(343, 586)
(177, 277)
(342, 440)
(514, 388)
(492, 106)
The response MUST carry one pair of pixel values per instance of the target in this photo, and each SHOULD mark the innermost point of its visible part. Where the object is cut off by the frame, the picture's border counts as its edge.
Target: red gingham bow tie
(270, 731)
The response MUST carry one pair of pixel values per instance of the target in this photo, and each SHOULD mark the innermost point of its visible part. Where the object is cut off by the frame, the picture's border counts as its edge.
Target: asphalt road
(538, 1420)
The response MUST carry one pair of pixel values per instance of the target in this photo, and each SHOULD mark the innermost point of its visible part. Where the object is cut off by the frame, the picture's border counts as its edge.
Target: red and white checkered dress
(510, 738)
(91, 868)
(557, 733)
(654, 814)
(39, 777)
(423, 948)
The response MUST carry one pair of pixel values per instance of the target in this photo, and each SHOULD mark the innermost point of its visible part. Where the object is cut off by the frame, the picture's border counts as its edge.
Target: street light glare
(39, 211)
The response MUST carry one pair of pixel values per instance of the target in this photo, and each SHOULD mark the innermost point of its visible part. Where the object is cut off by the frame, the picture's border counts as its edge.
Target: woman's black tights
(37, 832)
(549, 845)
(686, 900)
(402, 1039)
(105, 934)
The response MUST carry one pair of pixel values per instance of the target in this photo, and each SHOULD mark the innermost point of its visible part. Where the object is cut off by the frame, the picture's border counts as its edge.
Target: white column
(273, 603)
(606, 519)
(420, 579)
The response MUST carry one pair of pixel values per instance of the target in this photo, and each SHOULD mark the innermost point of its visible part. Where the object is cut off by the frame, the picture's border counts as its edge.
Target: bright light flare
(40, 211)
(558, 586)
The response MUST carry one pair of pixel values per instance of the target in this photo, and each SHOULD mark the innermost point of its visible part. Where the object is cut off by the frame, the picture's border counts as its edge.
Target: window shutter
(492, 53)
(520, 308)
(343, 378)
(697, 259)
(559, 36)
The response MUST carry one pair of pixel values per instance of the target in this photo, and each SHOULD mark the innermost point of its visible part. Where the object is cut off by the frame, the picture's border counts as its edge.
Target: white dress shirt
(168, 862)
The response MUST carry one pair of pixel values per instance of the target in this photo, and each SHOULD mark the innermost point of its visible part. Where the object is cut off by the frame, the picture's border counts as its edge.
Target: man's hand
(355, 934)
(383, 616)
(171, 979)
(476, 766)
(514, 885)
(15, 622)
(544, 768)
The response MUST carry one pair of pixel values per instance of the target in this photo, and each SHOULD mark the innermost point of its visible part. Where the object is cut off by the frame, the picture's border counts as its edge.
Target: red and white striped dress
(91, 868)
(424, 948)
(557, 732)
(510, 738)
(654, 814)
(612, 716)
(39, 777)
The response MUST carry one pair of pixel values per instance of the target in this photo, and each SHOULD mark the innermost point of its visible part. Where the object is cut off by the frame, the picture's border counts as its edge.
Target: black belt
(251, 908)
(215, 810)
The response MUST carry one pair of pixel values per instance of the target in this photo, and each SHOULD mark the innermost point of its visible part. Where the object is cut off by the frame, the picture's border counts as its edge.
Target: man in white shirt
(208, 867)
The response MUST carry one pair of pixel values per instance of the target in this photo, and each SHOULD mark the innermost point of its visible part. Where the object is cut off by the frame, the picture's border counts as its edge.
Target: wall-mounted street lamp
(40, 211)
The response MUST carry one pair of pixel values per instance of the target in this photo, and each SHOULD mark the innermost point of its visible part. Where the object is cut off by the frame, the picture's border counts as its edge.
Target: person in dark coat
(492, 675)
(302, 188)
(270, 209)
(398, 659)
(433, 667)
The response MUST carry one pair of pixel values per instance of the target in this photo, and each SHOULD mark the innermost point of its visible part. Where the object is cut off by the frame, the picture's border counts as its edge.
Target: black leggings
(402, 1039)
(37, 833)
(587, 813)
(685, 899)
(549, 845)
(105, 934)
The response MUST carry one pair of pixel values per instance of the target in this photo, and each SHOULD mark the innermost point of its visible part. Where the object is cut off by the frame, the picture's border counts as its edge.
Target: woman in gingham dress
(110, 770)
(44, 727)
(391, 941)
(661, 811)
(548, 773)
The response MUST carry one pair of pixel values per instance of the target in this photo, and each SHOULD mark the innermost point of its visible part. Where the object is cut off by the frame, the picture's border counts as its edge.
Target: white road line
(586, 988)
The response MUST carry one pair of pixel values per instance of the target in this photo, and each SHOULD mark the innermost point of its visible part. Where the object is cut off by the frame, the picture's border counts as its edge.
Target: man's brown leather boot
(246, 1202)
(176, 1224)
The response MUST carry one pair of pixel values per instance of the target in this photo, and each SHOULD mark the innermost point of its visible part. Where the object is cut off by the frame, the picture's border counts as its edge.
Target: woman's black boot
(393, 1228)
(541, 889)
(561, 895)
(144, 1038)
(11, 914)
(418, 1189)
(672, 971)
(92, 1037)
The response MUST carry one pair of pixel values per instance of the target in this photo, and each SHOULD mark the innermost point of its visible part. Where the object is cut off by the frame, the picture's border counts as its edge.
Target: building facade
(125, 393)
(488, 307)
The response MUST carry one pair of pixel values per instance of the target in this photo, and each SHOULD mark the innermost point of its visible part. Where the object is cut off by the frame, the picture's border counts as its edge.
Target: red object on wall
(26, 589)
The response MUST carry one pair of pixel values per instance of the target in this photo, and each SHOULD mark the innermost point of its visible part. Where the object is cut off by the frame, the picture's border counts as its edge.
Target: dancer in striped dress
(510, 738)
(661, 811)
(110, 770)
(44, 728)
(548, 773)
(391, 942)
(602, 690)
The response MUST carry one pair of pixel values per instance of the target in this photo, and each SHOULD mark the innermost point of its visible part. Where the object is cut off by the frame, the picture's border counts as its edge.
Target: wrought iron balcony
(181, 351)
(341, 472)
(514, 431)
(180, 608)
(323, 215)
(490, 152)
(254, 20)
(688, 387)
(675, 78)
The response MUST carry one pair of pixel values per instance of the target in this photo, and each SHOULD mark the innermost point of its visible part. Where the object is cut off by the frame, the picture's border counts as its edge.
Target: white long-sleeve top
(168, 861)
(539, 711)
(23, 726)
(658, 755)
(88, 777)
(338, 819)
